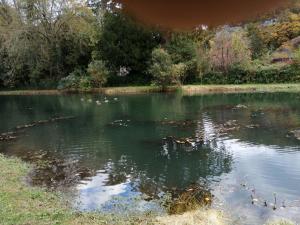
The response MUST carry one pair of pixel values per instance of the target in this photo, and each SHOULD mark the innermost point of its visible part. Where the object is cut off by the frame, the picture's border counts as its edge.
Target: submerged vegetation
(79, 45)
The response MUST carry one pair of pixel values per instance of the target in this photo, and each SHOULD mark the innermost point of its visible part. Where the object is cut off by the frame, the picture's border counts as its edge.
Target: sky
(191, 13)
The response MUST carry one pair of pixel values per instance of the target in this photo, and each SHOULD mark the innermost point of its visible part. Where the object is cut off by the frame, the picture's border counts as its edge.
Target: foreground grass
(185, 89)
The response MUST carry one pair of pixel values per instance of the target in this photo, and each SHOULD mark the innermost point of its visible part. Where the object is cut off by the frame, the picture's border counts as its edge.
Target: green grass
(243, 88)
(30, 92)
(185, 89)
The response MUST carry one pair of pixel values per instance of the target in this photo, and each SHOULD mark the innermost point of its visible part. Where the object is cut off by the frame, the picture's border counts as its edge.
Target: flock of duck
(98, 102)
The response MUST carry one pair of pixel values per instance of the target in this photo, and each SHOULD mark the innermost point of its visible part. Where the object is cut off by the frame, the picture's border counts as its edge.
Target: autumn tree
(44, 40)
(229, 48)
(287, 28)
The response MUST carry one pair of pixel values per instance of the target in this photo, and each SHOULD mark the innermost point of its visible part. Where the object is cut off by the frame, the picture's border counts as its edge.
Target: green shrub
(69, 82)
(75, 80)
(161, 68)
(262, 74)
(297, 56)
(85, 83)
(98, 72)
(178, 71)
(183, 51)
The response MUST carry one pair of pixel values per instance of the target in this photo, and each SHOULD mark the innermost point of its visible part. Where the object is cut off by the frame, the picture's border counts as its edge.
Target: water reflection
(140, 149)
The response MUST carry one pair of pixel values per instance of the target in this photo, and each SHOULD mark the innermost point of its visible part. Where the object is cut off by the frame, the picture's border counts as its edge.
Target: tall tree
(45, 39)
(125, 45)
(229, 48)
(183, 49)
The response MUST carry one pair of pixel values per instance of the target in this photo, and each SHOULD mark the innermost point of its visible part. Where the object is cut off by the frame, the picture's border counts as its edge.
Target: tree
(229, 48)
(284, 30)
(124, 44)
(98, 72)
(163, 70)
(44, 40)
(256, 41)
(183, 50)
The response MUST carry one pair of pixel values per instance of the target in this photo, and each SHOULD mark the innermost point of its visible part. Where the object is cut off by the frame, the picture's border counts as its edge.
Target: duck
(90, 100)
(275, 202)
(98, 102)
(253, 199)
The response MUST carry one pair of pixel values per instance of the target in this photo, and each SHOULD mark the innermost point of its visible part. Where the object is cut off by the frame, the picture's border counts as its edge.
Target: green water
(236, 146)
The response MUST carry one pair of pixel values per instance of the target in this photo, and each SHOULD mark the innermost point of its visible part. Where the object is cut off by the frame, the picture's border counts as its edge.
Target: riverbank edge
(185, 89)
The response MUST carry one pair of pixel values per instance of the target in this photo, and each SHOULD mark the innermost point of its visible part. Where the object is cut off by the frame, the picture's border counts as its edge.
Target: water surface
(129, 152)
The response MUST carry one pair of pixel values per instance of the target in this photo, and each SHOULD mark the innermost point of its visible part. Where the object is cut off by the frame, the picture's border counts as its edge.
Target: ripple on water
(126, 140)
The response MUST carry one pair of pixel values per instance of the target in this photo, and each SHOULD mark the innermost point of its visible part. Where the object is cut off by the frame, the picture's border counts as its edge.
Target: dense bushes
(164, 71)
(183, 52)
(99, 73)
(74, 80)
(237, 75)
(94, 76)
(39, 45)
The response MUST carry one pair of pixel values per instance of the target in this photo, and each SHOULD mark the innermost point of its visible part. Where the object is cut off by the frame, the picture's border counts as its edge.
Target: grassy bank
(107, 91)
(245, 88)
(186, 89)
